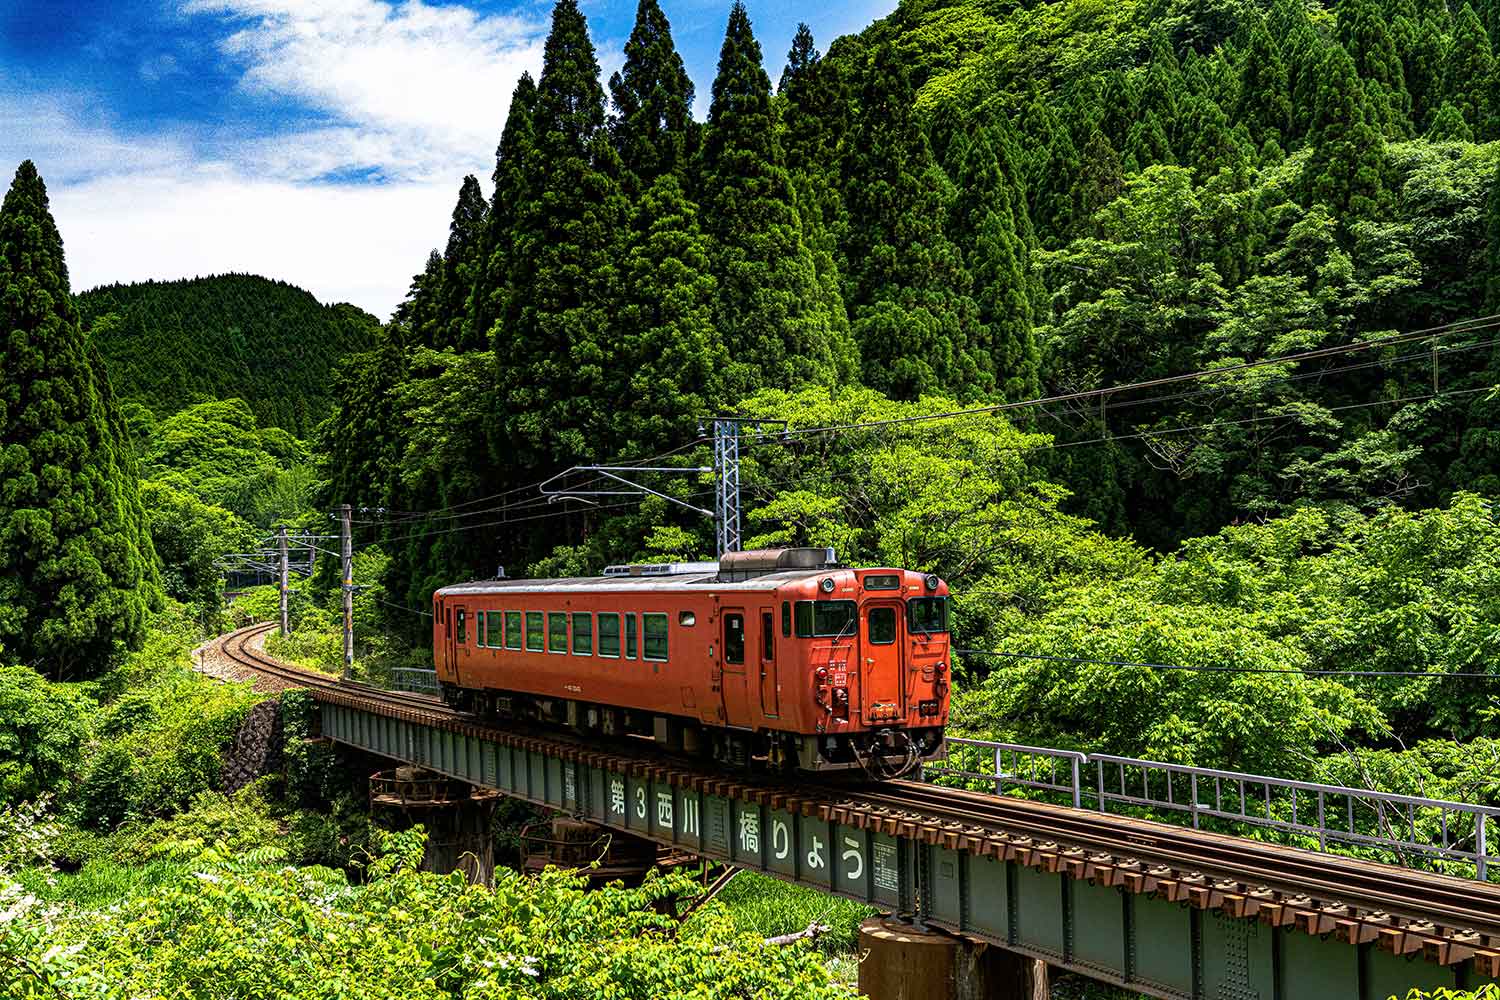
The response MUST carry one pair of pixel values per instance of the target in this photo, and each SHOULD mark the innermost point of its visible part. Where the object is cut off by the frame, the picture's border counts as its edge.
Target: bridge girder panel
(1164, 948)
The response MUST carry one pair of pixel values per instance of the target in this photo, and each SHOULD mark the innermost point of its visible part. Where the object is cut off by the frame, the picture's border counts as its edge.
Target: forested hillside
(169, 344)
(984, 203)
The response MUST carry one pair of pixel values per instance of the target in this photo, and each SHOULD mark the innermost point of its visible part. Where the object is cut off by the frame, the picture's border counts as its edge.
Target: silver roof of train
(646, 584)
(758, 569)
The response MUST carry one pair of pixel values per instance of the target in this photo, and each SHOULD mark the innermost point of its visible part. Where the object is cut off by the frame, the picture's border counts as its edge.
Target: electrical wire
(440, 513)
(1224, 670)
(1445, 330)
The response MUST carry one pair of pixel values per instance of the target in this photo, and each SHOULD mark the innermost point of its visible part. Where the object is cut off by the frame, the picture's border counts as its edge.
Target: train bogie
(781, 657)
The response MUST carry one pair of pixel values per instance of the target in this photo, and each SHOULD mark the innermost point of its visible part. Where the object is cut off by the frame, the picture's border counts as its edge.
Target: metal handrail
(1392, 818)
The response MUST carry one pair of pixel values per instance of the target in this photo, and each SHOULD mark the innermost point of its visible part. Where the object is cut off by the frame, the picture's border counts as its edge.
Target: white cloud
(343, 243)
(412, 94)
(412, 90)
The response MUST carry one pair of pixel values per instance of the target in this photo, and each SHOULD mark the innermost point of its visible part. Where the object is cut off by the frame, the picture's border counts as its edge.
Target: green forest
(1164, 330)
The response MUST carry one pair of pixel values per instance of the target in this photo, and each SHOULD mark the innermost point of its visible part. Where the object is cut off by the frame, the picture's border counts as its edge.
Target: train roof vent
(662, 569)
(760, 562)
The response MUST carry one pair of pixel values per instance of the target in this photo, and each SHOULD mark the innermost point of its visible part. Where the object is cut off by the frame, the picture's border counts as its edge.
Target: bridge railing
(423, 681)
(1410, 830)
(999, 767)
(1408, 827)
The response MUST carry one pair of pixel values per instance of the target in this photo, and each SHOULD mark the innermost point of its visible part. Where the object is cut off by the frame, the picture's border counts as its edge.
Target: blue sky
(317, 141)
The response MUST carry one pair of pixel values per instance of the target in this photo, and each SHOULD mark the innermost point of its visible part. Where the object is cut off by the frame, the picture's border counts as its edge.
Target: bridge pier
(457, 817)
(904, 962)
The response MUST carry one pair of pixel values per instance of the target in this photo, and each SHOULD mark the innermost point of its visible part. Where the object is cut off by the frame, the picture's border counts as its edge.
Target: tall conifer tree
(515, 168)
(984, 223)
(652, 122)
(1147, 145)
(78, 575)
(1469, 71)
(466, 232)
(1448, 125)
(816, 108)
(906, 286)
(771, 311)
(552, 351)
(1265, 102)
(1344, 170)
(1363, 32)
(671, 360)
(1420, 44)
(1100, 178)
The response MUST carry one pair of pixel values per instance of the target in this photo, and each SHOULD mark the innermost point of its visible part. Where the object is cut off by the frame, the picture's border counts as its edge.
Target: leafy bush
(43, 729)
(159, 731)
(267, 933)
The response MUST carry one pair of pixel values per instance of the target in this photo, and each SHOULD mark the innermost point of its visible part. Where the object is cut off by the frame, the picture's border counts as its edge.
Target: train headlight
(941, 668)
(933, 581)
(827, 585)
(822, 675)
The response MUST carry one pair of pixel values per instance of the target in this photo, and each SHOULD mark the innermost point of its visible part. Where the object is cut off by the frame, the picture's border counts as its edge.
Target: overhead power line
(1446, 330)
(1089, 661)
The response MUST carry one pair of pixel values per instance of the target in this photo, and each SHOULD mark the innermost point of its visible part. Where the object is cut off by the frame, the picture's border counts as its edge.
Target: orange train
(779, 658)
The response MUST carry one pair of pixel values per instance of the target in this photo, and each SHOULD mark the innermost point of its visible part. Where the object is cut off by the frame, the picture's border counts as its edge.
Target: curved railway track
(1449, 919)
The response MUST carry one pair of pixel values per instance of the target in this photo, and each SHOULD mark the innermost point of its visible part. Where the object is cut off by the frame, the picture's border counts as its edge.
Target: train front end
(876, 647)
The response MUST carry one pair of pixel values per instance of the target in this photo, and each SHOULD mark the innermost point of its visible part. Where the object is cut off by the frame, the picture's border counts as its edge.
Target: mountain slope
(169, 344)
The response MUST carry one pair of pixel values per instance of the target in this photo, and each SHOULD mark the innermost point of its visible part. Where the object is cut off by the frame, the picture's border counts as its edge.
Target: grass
(768, 906)
(100, 882)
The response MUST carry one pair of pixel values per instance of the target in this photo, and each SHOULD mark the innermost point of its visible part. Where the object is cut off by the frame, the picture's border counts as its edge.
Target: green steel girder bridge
(1175, 911)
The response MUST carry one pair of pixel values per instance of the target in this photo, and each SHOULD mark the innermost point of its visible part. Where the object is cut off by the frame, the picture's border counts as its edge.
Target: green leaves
(78, 576)
(278, 934)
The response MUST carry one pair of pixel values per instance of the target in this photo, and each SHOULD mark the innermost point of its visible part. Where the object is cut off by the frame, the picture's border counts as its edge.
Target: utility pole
(286, 627)
(346, 534)
(727, 495)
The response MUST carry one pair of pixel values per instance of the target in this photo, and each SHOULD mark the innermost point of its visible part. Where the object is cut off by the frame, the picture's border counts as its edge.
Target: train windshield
(927, 614)
(824, 618)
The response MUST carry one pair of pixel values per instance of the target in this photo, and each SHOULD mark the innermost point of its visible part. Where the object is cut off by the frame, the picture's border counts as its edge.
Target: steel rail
(1403, 892)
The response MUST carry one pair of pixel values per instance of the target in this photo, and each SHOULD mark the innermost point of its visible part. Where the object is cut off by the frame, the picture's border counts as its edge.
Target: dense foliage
(78, 574)
(169, 344)
(139, 741)
(264, 932)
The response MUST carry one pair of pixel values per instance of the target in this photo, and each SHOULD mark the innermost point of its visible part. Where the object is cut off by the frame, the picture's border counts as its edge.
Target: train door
(461, 624)
(735, 644)
(770, 687)
(882, 691)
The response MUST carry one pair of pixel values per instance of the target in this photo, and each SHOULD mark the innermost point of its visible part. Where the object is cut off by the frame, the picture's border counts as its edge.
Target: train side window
(512, 630)
(882, 626)
(786, 619)
(767, 637)
(654, 636)
(494, 629)
(630, 636)
(463, 632)
(583, 634)
(534, 637)
(734, 638)
(557, 632)
(609, 635)
(480, 638)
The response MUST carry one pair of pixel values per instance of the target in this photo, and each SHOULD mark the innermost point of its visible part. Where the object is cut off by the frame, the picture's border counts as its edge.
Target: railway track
(1406, 911)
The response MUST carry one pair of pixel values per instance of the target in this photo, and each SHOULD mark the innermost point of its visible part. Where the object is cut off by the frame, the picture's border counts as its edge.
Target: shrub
(43, 729)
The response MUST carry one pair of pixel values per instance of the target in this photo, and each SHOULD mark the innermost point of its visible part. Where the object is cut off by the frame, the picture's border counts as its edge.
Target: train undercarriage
(884, 754)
